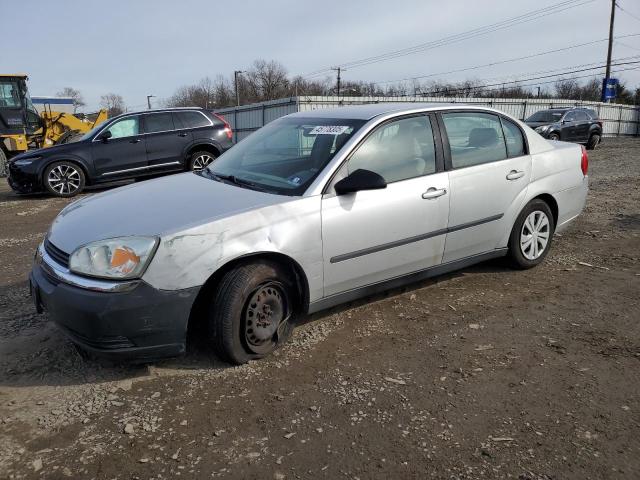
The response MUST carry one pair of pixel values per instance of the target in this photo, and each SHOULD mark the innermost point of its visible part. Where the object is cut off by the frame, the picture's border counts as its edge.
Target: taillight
(227, 128)
(584, 162)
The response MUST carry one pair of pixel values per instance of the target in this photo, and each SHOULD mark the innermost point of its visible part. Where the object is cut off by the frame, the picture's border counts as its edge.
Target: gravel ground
(485, 373)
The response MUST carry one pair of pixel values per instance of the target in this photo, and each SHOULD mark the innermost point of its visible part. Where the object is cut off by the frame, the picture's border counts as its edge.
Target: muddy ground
(486, 373)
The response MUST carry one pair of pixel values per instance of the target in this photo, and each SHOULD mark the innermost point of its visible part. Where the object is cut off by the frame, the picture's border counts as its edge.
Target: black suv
(128, 146)
(579, 125)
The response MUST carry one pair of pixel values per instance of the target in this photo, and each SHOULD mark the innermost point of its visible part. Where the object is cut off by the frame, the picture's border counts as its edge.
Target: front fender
(188, 258)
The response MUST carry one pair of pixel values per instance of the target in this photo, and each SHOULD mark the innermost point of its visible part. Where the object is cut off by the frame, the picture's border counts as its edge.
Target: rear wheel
(64, 179)
(593, 142)
(251, 313)
(200, 160)
(554, 136)
(531, 236)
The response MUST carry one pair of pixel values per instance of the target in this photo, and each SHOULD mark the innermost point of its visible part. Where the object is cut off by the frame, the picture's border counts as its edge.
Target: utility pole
(538, 91)
(235, 82)
(610, 48)
(149, 97)
(339, 70)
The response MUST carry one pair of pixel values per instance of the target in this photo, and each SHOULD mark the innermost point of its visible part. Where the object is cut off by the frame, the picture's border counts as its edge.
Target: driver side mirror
(104, 136)
(361, 179)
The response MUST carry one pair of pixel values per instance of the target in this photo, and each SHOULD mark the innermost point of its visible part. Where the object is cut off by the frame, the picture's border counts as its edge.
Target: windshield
(548, 116)
(285, 156)
(9, 94)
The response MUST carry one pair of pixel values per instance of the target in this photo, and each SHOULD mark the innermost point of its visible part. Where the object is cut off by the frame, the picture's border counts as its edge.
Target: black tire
(200, 159)
(4, 164)
(554, 136)
(516, 255)
(235, 311)
(64, 179)
(593, 142)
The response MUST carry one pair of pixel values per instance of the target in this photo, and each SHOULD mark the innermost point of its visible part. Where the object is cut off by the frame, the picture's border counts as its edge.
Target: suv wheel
(251, 313)
(200, 160)
(554, 136)
(531, 236)
(593, 142)
(64, 179)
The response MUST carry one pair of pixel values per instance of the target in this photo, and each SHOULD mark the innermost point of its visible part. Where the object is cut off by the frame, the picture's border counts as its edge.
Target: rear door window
(513, 137)
(474, 138)
(158, 122)
(193, 119)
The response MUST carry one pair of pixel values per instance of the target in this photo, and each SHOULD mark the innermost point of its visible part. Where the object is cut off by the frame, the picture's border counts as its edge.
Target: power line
(627, 12)
(492, 64)
(523, 18)
(502, 84)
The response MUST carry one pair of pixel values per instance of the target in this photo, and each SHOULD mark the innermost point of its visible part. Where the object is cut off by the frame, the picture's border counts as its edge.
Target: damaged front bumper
(121, 320)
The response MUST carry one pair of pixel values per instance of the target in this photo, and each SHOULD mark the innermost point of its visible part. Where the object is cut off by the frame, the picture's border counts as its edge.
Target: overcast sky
(136, 48)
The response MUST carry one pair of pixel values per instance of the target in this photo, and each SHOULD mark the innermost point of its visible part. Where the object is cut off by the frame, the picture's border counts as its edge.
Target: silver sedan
(315, 209)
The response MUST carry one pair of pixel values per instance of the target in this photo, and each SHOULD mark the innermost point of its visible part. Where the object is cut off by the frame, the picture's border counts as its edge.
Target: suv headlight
(542, 128)
(114, 258)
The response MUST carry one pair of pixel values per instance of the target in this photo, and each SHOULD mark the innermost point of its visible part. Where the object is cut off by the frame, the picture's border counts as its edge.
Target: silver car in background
(315, 209)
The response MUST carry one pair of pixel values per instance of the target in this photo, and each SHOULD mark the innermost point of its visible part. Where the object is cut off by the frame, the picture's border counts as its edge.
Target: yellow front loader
(23, 128)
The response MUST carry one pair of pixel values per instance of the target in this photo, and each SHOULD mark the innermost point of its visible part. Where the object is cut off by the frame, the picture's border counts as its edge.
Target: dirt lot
(487, 373)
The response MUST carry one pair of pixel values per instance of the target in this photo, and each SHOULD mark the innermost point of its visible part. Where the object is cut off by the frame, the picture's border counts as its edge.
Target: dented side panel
(188, 258)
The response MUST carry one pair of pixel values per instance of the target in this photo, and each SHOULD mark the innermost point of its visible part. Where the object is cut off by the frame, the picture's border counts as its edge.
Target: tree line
(270, 80)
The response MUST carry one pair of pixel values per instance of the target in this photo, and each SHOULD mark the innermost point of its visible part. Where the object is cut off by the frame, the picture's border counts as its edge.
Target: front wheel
(554, 136)
(531, 235)
(64, 179)
(251, 313)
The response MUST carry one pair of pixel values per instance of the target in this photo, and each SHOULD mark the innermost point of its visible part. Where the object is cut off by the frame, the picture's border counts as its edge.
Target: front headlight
(114, 258)
(542, 128)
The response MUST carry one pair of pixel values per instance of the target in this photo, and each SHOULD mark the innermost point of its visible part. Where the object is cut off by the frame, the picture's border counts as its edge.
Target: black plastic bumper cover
(141, 324)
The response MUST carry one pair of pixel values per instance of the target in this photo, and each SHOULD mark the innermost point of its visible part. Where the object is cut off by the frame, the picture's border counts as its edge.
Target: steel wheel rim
(534, 235)
(202, 161)
(64, 179)
(265, 311)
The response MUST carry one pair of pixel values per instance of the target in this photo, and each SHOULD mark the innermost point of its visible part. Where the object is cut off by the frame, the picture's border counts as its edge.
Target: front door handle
(182, 134)
(135, 140)
(514, 175)
(433, 192)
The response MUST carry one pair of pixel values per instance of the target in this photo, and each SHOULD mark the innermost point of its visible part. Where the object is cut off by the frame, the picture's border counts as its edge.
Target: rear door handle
(433, 192)
(514, 175)
(182, 134)
(135, 140)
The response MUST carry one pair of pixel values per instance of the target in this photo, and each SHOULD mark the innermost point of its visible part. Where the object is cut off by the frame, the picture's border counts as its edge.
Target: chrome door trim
(417, 238)
(147, 167)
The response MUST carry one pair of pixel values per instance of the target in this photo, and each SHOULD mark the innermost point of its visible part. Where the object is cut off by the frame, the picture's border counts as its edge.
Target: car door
(165, 144)
(568, 127)
(582, 124)
(123, 152)
(489, 172)
(375, 235)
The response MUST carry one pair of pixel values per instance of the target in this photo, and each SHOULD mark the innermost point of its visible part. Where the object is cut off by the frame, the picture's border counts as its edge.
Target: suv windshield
(549, 116)
(285, 156)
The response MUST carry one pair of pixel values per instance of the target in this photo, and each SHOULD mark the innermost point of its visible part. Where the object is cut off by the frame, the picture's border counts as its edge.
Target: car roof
(371, 110)
(156, 110)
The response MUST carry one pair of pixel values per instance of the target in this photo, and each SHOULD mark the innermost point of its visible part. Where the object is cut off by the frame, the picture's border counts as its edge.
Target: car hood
(52, 150)
(153, 208)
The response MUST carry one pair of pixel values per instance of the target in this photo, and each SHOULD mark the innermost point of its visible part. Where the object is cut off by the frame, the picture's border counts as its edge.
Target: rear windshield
(550, 116)
(285, 156)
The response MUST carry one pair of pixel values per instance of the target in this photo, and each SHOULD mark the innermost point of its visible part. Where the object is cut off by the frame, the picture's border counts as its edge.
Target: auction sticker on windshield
(329, 130)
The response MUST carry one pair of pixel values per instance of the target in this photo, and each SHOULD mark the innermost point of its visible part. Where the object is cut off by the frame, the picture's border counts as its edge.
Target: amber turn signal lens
(124, 259)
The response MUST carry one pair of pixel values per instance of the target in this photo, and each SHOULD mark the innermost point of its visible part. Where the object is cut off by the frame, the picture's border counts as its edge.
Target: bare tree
(113, 103)
(266, 80)
(78, 101)
(206, 94)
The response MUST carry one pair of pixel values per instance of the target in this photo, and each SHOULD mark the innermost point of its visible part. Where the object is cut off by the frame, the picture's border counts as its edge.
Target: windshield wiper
(241, 182)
